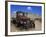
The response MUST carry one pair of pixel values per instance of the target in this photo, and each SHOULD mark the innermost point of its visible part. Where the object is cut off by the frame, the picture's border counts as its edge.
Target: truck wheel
(14, 21)
(32, 24)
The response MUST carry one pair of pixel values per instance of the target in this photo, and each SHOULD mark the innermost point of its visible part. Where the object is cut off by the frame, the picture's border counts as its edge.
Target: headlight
(24, 22)
(21, 22)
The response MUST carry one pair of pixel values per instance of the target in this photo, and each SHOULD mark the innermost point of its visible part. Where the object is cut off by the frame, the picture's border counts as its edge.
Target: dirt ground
(38, 25)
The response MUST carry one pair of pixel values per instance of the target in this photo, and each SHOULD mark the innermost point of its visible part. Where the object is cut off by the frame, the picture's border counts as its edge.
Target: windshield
(20, 14)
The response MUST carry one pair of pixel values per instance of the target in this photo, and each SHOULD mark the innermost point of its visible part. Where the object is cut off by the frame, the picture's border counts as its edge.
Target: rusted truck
(23, 21)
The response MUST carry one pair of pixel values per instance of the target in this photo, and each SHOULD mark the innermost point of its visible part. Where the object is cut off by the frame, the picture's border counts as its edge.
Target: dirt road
(37, 27)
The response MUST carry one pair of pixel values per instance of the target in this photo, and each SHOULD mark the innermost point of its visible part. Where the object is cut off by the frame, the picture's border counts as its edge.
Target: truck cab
(23, 21)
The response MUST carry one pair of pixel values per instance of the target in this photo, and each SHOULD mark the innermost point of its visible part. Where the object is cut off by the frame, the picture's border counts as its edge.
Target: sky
(30, 9)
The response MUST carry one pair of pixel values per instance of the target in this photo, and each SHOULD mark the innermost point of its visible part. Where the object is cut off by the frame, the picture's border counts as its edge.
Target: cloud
(29, 8)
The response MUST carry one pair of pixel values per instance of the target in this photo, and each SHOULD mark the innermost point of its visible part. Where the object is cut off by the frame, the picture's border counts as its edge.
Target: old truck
(23, 21)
